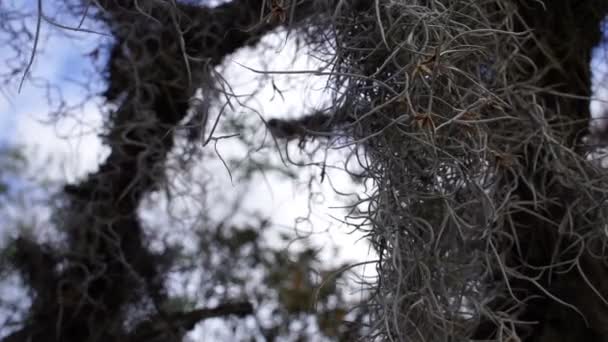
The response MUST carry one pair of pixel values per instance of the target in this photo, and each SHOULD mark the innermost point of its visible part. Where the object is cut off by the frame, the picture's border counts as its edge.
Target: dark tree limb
(172, 326)
(567, 31)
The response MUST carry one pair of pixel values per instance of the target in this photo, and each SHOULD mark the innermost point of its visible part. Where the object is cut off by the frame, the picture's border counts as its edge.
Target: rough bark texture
(568, 31)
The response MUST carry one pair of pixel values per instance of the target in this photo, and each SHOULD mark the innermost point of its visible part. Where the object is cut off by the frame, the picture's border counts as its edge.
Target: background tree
(469, 118)
(104, 279)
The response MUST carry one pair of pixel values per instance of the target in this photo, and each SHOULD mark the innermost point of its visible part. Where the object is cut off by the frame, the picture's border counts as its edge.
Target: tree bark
(566, 32)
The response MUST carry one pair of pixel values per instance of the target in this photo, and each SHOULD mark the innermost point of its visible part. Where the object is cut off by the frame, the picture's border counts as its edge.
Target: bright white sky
(600, 79)
(68, 149)
(75, 149)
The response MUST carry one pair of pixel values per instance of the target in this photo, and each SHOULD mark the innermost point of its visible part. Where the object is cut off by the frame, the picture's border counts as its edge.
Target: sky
(599, 78)
(65, 150)
(74, 148)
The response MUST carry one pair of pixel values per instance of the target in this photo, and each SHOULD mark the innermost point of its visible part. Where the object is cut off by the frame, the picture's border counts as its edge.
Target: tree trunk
(567, 31)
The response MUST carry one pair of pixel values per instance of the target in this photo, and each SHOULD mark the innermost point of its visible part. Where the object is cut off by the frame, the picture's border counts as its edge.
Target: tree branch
(174, 325)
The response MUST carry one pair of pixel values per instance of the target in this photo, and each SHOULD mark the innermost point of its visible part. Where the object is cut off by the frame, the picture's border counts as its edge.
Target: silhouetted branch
(172, 326)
